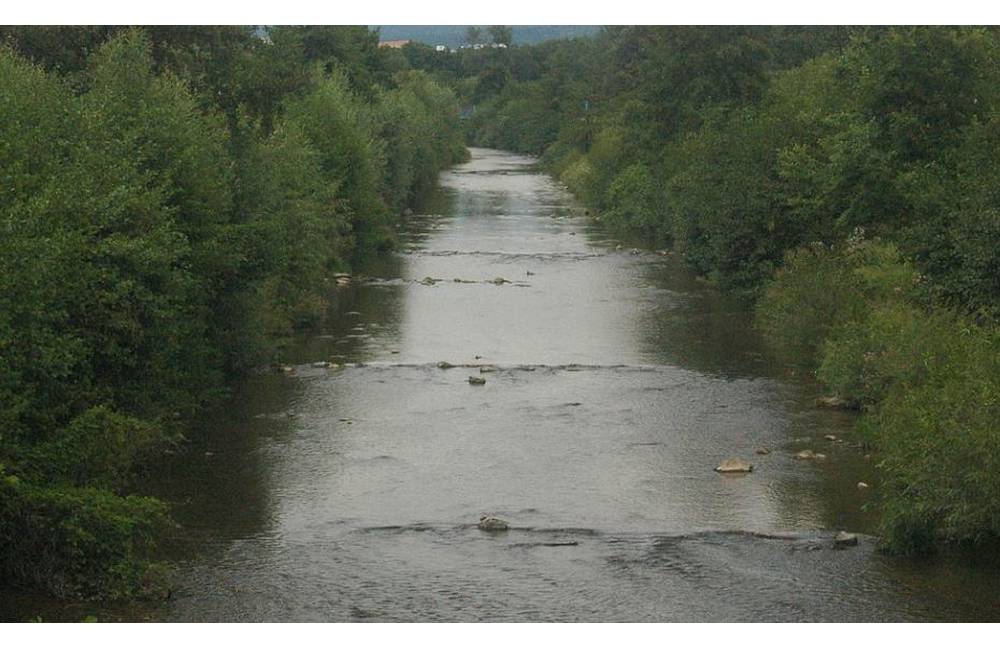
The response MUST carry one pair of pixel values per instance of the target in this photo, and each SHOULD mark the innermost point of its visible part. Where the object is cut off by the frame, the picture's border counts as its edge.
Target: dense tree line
(171, 201)
(843, 180)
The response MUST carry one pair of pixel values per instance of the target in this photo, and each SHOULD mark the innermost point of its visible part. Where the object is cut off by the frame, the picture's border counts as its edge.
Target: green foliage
(416, 107)
(893, 342)
(297, 228)
(580, 177)
(728, 215)
(341, 127)
(819, 289)
(939, 443)
(98, 448)
(634, 204)
(79, 542)
(169, 208)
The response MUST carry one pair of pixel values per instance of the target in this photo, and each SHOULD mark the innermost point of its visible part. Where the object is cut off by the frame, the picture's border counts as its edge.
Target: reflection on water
(618, 383)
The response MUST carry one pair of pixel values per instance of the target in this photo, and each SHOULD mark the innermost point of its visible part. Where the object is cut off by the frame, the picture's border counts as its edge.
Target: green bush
(633, 205)
(821, 288)
(579, 177)
(79, 542)
(939, 446)
(892, 343)
(341, 127)
(98, 448)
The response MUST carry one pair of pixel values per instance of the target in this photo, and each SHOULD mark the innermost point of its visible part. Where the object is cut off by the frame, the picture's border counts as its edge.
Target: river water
(351, 493)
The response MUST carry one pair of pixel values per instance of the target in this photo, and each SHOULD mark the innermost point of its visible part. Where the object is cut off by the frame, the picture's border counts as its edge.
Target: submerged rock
(489, 522)
(845, 540)
(734, 466)
(762, 451)
(477, 381)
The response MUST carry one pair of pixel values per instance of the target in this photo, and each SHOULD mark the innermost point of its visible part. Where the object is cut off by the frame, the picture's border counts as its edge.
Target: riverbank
(168, 218)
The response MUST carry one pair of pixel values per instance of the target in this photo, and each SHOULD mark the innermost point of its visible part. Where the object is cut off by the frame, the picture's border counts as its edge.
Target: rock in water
(487, 369)
(734, 466)
(844, 540)
(862, 485)
(833, 402)
(320, 364)
(806, 454)
(477, 381)
(444, 365)
(489, 522)
(762, 451)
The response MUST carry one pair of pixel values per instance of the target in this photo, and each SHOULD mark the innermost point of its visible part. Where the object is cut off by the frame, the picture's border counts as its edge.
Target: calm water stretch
(619, 382)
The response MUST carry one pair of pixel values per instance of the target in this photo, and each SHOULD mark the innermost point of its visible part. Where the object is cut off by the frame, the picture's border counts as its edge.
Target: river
(351, 493)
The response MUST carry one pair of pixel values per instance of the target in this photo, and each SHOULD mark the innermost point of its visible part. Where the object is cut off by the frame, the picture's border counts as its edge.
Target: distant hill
(454, 35)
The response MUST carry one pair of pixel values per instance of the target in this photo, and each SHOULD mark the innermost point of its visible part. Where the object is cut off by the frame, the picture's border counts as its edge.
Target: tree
(501, 34)
(473, 35)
